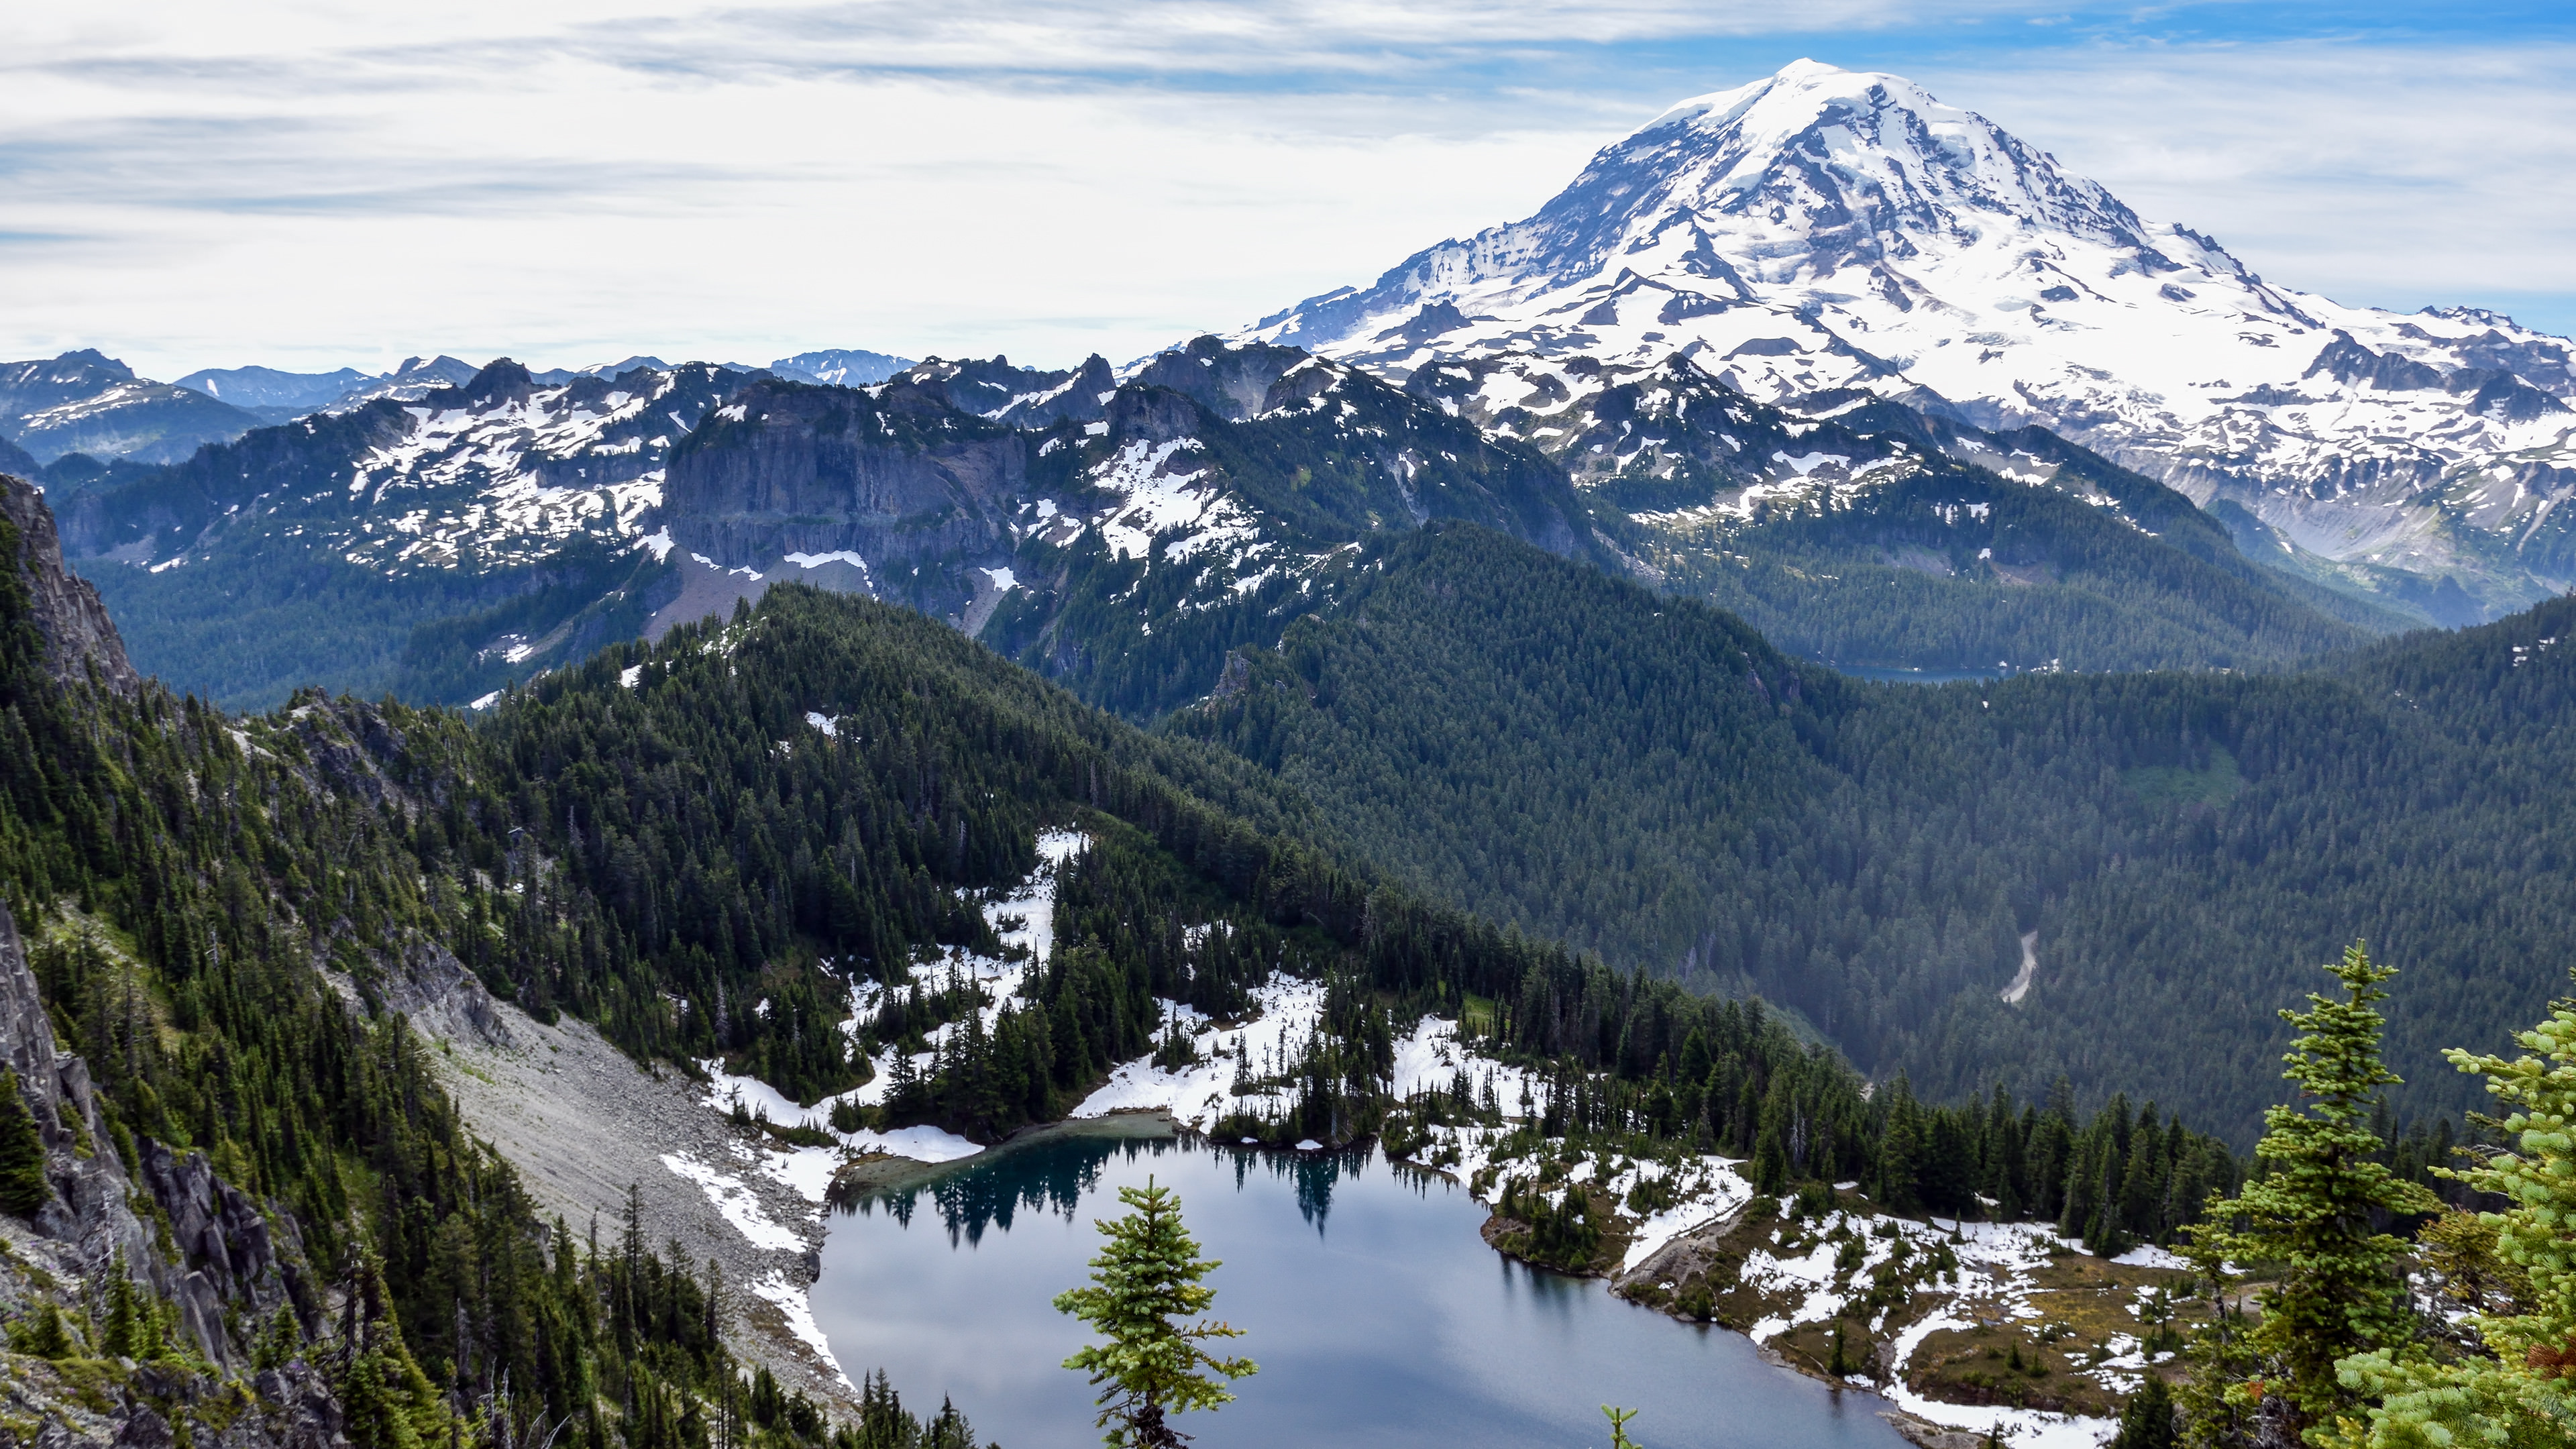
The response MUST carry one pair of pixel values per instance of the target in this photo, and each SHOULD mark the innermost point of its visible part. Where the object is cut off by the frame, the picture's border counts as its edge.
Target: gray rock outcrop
(79, 637)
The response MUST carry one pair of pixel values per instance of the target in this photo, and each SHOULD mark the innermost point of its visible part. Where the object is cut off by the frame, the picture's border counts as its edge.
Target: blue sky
(302, 184)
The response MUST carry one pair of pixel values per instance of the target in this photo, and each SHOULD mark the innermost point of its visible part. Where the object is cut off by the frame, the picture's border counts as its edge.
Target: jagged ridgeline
(1644, 777)
(1122, 535)
(234, 1200)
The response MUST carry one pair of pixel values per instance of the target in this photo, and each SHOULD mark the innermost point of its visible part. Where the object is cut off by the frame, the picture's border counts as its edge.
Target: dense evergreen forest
(180, 879)
(1645, 777)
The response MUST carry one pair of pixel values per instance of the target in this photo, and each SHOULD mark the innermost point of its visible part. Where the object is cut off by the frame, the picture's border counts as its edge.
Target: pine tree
(2526, 1394)
(1144, 1280)
(41, 1333)
(123, 1334)
(390, 1403)
(2338, 1290)
(2147, 1419)
(23, 1189)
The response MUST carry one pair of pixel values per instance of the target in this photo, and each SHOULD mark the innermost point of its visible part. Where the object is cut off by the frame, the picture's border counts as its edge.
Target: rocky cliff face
(114, 1201)
(1052, 513)
(886, 472)
(79, 637)
(193, 1240)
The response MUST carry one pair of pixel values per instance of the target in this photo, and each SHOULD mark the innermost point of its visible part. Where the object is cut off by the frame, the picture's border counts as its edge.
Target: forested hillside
(246, 1205)
(1645, 777)
(818, 794)
(813, 792)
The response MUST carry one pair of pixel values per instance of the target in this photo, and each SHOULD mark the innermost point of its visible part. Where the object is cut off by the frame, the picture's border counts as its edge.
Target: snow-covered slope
(85, 402)
(502, 472)
(497, 472)
(1824, 229)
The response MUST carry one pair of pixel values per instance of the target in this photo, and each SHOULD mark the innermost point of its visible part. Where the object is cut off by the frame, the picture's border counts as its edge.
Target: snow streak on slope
(1826, 229)
(508, 480)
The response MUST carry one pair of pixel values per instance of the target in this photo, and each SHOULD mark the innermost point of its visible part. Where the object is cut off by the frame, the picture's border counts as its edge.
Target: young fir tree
(1143, 1283)
(2337, 1288)
(2526, 1394)
(41, 1333)
(390, 1403)
(2147, 1419)
(23, 1188)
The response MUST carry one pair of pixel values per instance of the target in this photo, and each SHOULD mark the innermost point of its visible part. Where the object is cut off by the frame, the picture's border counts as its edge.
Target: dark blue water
(1377, 1315)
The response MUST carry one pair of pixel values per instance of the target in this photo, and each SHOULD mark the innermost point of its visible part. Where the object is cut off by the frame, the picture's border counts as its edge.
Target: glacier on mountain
(1824, 230)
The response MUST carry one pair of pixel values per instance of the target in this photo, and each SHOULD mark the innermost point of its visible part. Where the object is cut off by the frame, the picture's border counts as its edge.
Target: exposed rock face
(894, 472)
(79, 637)
(224, 1259)
(1008, 500)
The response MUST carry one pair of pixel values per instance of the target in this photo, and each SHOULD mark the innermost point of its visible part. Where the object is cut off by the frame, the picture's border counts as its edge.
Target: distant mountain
(1122, 536)
(500, 517)
(1860, 532)
(266, 387)
(86, 402)
(840, 366)
(1825, 230)
(413, 380)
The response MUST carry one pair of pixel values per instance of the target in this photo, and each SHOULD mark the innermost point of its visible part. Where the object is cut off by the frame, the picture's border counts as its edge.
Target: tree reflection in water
(988, 1191)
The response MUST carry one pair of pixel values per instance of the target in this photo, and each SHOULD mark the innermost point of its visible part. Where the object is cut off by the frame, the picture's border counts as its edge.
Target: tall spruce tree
(2524, 1396)
(1143, 1284)
(2337, 1289)
(23, 1188)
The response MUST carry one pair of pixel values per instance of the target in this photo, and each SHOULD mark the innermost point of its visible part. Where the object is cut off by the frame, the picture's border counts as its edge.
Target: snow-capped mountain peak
(1823, 229)
(1858, 157)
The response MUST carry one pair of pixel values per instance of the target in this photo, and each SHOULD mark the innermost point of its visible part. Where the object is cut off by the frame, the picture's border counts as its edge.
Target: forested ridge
(190, 885)
(1645, 777)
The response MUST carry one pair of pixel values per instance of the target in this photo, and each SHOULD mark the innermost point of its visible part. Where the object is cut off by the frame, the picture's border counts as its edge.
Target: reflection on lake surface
(1376, 1313)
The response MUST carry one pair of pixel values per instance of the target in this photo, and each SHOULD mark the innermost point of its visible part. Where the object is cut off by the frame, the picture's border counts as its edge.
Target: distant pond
(1376, 1313)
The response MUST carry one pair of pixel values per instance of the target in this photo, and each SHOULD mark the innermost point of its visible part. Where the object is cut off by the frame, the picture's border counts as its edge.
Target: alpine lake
(1376, 1312)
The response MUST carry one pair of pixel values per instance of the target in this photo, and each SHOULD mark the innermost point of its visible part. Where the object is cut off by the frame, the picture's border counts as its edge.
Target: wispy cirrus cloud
(299, 183)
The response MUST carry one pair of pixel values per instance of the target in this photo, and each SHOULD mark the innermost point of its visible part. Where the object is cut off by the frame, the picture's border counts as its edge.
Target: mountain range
(1475, 654)
(89, 404)
(1857, 366)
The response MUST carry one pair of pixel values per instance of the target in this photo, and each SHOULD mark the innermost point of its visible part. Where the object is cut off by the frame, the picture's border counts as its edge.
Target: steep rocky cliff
(79, 637)
(220, 1266)
(1067, 518)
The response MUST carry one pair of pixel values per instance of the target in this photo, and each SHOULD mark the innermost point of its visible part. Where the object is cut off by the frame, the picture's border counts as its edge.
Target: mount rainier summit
(1822, 231)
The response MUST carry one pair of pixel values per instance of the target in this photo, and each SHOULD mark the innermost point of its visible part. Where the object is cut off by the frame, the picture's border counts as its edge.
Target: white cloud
(2395, 178)
(308, 184)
